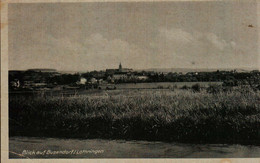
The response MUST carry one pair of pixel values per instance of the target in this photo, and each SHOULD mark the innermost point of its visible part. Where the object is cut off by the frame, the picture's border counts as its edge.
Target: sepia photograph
(133, 79)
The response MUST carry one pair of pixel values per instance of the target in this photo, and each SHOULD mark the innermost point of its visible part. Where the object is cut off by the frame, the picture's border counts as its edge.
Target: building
(142, 78)
(120, 70)
(15, 83)
(120, 76)
(120, 67)
(111, 71)
(82, 81)
(93, 81)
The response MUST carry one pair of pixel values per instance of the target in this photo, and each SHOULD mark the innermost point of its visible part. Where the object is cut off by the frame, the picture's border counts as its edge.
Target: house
(93, 81)
(142, 77)
(124, 70)
(120, 76)
(82, 81)
(100, 81)
(110, 79)
(15, 83)
(28, 84)
(39, 85)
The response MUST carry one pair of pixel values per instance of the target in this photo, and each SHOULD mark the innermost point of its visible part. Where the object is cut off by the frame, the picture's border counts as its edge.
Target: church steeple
(120, 67)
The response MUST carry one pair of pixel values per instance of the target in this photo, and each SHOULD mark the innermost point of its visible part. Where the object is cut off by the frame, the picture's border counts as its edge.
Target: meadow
(162, 85)
(171, 115)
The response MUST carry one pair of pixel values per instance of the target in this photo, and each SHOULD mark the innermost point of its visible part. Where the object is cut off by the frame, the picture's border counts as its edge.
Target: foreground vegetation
(185, 115)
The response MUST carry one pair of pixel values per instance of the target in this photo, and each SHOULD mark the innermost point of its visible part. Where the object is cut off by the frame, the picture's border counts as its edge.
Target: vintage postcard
(131, 81)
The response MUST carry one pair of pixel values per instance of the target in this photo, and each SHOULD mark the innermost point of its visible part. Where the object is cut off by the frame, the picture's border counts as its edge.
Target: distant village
(50, 79)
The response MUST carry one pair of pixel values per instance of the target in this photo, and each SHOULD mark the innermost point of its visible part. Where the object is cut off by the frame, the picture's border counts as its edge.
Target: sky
(99, 35)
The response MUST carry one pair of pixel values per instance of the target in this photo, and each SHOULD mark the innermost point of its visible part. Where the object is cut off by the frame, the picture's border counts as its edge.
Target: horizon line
(230, 68)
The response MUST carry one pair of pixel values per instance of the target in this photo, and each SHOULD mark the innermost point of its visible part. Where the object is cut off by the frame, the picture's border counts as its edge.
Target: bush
(196, 88)
(214, 88)
(185, 87)
(231, 83)
(258, 87)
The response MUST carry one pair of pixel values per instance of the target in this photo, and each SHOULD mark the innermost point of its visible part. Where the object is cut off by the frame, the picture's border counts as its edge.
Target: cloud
(175, 34)
(179, 48)
(216, 41)
(181, 37)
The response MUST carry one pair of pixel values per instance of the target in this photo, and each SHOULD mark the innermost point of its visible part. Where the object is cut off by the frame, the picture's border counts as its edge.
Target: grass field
(154, 114)
(162, 85)
(123, 87)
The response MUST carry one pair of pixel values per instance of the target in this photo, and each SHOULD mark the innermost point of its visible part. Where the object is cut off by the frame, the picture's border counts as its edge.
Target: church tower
(120, 67)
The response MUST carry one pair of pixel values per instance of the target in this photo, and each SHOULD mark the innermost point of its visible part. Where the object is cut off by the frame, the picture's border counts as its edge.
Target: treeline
(44, 77)
(230, 78)
(64, 79)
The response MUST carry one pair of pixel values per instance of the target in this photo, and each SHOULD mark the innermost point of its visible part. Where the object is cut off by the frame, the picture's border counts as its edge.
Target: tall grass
(184, 115)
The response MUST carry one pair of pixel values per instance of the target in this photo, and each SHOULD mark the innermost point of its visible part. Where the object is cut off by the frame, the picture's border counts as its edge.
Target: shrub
(258, 87)
(214, 88)
(196, 88)
(185, 87)
(231, 83)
